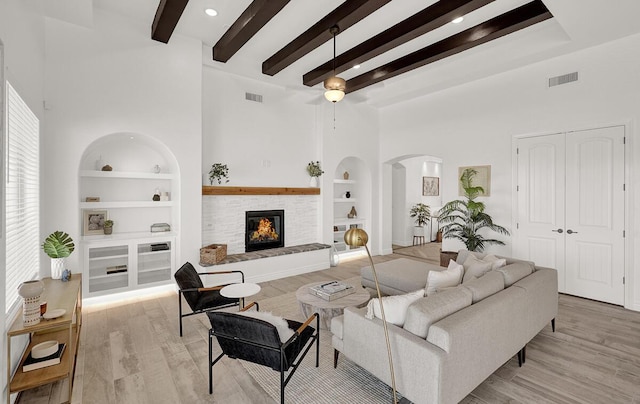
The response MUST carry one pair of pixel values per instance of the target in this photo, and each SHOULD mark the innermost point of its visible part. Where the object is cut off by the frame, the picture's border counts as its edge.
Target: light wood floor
(131, 353)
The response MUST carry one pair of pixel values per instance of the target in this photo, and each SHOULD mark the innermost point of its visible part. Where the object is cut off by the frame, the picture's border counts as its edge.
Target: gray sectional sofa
(454, 339)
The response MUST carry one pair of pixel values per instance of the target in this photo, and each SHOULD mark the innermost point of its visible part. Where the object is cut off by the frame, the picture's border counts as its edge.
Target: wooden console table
(66, 329)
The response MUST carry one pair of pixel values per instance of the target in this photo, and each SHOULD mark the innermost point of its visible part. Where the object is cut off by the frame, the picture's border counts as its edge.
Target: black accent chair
(258, 341)
(199, 298)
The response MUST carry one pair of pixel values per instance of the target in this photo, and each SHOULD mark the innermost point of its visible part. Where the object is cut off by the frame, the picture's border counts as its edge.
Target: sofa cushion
(398, 276)
(395, 307)
(452, 276)
(464, 254)
(495, 261)
(428, 310)
(489, 284)
(475, 268)
(512, 273)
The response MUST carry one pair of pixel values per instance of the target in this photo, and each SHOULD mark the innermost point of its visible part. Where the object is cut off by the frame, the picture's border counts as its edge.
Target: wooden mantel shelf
(226, 190)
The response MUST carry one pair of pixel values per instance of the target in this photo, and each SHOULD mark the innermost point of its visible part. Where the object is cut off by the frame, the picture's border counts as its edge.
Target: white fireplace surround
(223, 218)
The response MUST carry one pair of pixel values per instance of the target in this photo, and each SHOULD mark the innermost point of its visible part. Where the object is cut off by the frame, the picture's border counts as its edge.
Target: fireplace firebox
(264, 229)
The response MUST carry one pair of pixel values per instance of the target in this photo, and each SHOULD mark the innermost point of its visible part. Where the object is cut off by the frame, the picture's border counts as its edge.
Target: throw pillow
(395, 307)
(495, 261)
(443, 279)
(512, 273)
(474, 268)
(280, 323)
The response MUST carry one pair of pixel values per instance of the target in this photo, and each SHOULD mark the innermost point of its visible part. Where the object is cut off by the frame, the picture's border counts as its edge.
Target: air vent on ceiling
(564, 79)
(253, 97)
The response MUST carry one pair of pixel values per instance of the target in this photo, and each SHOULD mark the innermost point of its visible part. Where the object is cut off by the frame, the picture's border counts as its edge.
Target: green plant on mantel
(108, 223)
(219, 172)
(58, 245)
(463, 219)
(314, 170)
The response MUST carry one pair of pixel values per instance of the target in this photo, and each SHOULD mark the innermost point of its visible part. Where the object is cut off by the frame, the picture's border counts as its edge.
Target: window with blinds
(22, 193)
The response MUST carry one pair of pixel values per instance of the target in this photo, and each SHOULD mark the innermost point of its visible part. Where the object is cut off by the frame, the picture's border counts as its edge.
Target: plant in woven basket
(219, 172)
(58, 245)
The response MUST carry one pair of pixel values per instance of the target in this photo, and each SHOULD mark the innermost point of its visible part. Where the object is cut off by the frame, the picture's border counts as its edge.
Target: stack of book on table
(332, 290)
(31, 363)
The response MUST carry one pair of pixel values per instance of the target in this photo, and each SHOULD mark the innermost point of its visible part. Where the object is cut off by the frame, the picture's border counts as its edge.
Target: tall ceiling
(574, 25)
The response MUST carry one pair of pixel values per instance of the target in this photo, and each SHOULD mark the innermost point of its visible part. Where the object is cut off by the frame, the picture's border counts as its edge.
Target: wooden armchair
(200, 298)
(258, 341)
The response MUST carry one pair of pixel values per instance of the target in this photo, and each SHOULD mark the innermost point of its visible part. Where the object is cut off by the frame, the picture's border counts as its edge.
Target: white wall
(416, 168)
(113, 78)
(398, 204)
(474, 124)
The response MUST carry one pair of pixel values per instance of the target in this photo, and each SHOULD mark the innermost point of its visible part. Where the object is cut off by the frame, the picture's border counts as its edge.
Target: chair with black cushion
(257, 341)
(201, 299)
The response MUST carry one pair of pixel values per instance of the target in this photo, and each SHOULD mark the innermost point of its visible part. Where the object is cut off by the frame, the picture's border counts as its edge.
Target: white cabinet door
(595, 214)
(541, 213)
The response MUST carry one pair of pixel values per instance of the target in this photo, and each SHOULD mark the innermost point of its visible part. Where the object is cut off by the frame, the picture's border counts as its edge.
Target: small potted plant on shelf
(422, 214)
(58, 245)
(219, 172)
(108, 226)
(314, 170)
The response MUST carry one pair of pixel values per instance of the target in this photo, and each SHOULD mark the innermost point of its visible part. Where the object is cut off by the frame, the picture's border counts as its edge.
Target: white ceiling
(577, 24)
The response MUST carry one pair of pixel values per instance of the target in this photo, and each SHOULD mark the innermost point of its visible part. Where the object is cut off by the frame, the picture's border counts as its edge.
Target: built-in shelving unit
(360, 194)
(141, 168)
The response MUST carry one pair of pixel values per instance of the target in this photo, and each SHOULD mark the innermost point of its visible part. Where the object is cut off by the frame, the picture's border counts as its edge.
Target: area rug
(347, 384)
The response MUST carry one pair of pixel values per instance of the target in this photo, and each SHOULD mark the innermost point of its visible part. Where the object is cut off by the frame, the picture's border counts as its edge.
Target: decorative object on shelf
(482, 179)
(422, 214)
(108, 226)
(347, 194)
(107, 168)
(99, 163)
(30, 363)
(464, 219)
(219, 172)
(315, 171)
(58, 246)
(352, 213)
(92, 199)
(335, 258)
(156, 195)
(430, 186)
(160, 227)
(164, 196)
(93, 221)
(44, 349)
(345, 175)
(43, 308)
(212, 254)
(66, 275)
(334, 85)
(358, 238)
(156, 169)
(30, 292)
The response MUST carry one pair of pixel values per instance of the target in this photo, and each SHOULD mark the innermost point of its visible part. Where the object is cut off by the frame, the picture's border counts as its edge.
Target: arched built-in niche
(133, 256)
(358, 185)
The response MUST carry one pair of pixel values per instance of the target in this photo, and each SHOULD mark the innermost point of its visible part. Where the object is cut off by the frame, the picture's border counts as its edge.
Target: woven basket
(212, 254)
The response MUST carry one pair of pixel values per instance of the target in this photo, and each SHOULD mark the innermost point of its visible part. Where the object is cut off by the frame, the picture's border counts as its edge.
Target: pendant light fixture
(334, 85)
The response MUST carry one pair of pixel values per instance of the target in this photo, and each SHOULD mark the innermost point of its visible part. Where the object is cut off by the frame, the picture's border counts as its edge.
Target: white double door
(570, 209)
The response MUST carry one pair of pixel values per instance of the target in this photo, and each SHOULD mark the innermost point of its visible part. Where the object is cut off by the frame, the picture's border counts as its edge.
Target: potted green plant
(422, 215)
(314, 170)
(464, 219)
(108, 226)
(219, 172)
(58, 246)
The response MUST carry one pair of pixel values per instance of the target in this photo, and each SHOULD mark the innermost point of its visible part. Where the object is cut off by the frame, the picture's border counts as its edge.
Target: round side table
(240, 291)
(327, 310)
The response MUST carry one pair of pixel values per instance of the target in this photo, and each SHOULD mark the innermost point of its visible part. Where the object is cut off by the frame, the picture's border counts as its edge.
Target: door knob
(571, 232)
(557, 231)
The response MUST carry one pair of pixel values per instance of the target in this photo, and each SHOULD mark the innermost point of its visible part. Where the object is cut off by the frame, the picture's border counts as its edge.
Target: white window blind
(22, 195)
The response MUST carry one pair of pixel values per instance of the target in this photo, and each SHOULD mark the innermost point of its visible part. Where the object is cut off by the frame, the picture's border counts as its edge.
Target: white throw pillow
(280, 323)
(395, 307)
(475, 268)
(495, 261)
(452, 276)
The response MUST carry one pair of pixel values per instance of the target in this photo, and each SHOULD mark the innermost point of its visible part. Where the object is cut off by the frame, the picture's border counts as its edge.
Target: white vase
(335, 258)
(313, 183)
(30, 291)
(57, 266)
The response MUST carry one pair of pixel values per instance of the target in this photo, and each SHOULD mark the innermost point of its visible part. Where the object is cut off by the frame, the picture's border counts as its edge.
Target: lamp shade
(335, 88)
(356, 238)
(334, 95)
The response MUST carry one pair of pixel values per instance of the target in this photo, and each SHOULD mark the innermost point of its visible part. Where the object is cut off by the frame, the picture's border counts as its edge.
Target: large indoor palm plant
(463, 219)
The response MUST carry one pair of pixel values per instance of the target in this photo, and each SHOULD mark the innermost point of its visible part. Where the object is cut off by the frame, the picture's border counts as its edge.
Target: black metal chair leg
(336, 353)
(524, 354)
(553, 324)
(281, 377)
(520, 358)
(180, 310)
(210, 364)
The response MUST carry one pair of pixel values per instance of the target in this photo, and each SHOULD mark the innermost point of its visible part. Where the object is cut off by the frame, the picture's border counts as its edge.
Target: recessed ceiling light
(458, 20)
(356, 66)
(210, 12)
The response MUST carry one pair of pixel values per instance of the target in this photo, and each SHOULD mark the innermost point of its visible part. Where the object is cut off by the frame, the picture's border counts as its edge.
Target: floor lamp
(358, 238)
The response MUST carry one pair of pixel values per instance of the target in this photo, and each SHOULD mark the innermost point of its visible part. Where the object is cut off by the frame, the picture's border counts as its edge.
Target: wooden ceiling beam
(514, 20)
(252, 19)
(344, 16)
(167, 16)
(432, 17)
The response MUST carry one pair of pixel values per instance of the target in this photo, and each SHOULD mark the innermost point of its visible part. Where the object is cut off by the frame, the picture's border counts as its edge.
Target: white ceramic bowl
(44, 349)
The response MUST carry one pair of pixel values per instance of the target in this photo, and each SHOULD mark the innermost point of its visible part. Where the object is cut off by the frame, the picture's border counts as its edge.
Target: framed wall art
(482, 179)
(93, 221)
(430, 186)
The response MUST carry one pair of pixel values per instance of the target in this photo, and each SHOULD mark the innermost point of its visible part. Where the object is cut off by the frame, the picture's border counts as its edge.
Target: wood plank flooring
(130, 352)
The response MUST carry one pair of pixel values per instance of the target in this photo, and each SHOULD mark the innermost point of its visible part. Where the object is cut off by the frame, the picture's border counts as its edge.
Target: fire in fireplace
(264, 229)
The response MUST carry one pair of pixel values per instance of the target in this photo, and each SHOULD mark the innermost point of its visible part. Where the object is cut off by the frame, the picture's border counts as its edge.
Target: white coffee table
(310, 304)
(240, 291)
